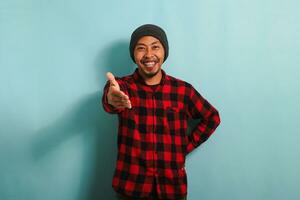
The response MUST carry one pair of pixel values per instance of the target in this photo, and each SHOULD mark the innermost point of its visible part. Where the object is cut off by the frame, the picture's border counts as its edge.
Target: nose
(148, 53)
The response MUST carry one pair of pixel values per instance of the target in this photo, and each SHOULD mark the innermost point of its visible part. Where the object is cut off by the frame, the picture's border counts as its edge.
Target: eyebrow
(146, 45)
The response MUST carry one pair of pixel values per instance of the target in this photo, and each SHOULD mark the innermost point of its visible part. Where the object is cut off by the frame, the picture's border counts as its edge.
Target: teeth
(149, 64)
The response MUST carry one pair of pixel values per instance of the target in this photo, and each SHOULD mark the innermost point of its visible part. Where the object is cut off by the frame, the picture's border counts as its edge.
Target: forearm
(203, 130)
(199, 108)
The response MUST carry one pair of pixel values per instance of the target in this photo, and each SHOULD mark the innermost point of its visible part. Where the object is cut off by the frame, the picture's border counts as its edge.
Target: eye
(140, 48)
(156, 47)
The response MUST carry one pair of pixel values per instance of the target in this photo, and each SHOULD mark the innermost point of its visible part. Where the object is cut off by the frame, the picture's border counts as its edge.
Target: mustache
(152, 59)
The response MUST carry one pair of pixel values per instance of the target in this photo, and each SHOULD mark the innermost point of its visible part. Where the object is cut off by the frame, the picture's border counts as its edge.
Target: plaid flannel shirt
(152, 135)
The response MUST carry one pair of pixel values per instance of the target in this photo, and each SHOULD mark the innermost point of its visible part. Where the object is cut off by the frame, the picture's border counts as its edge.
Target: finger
(126, 98)
(118, 93)
(118, 97)
(129, 105)
(123, 105)
(118, 100)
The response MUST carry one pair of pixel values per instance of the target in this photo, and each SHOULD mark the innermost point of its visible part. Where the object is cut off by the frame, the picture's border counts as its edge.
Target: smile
(149, 64)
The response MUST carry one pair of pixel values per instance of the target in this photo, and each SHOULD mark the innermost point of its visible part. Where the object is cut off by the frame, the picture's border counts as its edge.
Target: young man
(153, 110)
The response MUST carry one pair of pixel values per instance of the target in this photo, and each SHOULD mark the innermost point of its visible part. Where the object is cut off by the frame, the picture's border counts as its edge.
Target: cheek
(161, 54)
(138, 57)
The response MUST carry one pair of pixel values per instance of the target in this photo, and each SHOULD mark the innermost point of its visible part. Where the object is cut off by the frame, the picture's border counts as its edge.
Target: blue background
(56, 142)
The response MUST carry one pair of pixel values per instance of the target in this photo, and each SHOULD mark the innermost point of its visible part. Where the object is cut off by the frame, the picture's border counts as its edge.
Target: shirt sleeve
(106, 106)
(200, 108)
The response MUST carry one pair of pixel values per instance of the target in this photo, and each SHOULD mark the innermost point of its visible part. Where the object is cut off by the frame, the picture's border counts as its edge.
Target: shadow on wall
(117, 61)
(88, 117)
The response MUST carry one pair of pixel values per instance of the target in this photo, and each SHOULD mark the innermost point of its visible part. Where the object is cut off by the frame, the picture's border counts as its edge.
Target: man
(153, 110)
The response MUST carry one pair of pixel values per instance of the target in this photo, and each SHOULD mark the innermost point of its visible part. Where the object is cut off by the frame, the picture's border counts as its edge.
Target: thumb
(112, 79)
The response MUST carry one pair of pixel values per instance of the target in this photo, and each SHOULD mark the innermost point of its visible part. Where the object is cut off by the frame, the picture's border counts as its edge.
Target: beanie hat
(148, 30)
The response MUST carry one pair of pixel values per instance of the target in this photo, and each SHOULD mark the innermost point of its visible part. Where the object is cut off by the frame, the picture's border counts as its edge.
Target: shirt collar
(140, 79)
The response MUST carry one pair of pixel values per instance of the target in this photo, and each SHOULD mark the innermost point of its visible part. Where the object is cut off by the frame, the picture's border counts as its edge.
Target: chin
(151, 73)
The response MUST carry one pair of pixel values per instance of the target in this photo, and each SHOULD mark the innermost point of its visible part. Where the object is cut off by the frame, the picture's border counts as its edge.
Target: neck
(154, 80)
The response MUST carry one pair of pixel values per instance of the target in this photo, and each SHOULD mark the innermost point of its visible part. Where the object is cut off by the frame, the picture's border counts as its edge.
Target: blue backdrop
(56, 142)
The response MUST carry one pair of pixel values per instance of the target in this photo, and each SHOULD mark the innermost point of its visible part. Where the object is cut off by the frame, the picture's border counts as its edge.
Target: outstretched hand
(115, 96)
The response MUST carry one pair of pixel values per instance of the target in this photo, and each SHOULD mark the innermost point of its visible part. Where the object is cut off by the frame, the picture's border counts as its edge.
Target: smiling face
(149, 55)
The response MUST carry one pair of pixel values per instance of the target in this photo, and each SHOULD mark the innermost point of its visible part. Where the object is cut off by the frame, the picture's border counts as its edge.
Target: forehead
(148, 40)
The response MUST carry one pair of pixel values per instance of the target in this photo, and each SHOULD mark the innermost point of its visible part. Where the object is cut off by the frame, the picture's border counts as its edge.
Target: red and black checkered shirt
(152, 135)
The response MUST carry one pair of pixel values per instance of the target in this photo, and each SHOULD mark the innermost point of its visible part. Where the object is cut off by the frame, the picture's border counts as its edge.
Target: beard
(151, 74)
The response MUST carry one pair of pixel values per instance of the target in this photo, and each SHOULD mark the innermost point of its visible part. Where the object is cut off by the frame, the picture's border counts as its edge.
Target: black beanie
(148, 30)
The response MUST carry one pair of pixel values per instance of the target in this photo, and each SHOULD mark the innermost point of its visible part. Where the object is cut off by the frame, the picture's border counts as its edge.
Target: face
(149, 55)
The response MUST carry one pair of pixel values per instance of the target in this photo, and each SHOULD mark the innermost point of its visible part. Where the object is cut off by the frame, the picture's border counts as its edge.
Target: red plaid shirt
(152, 135)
